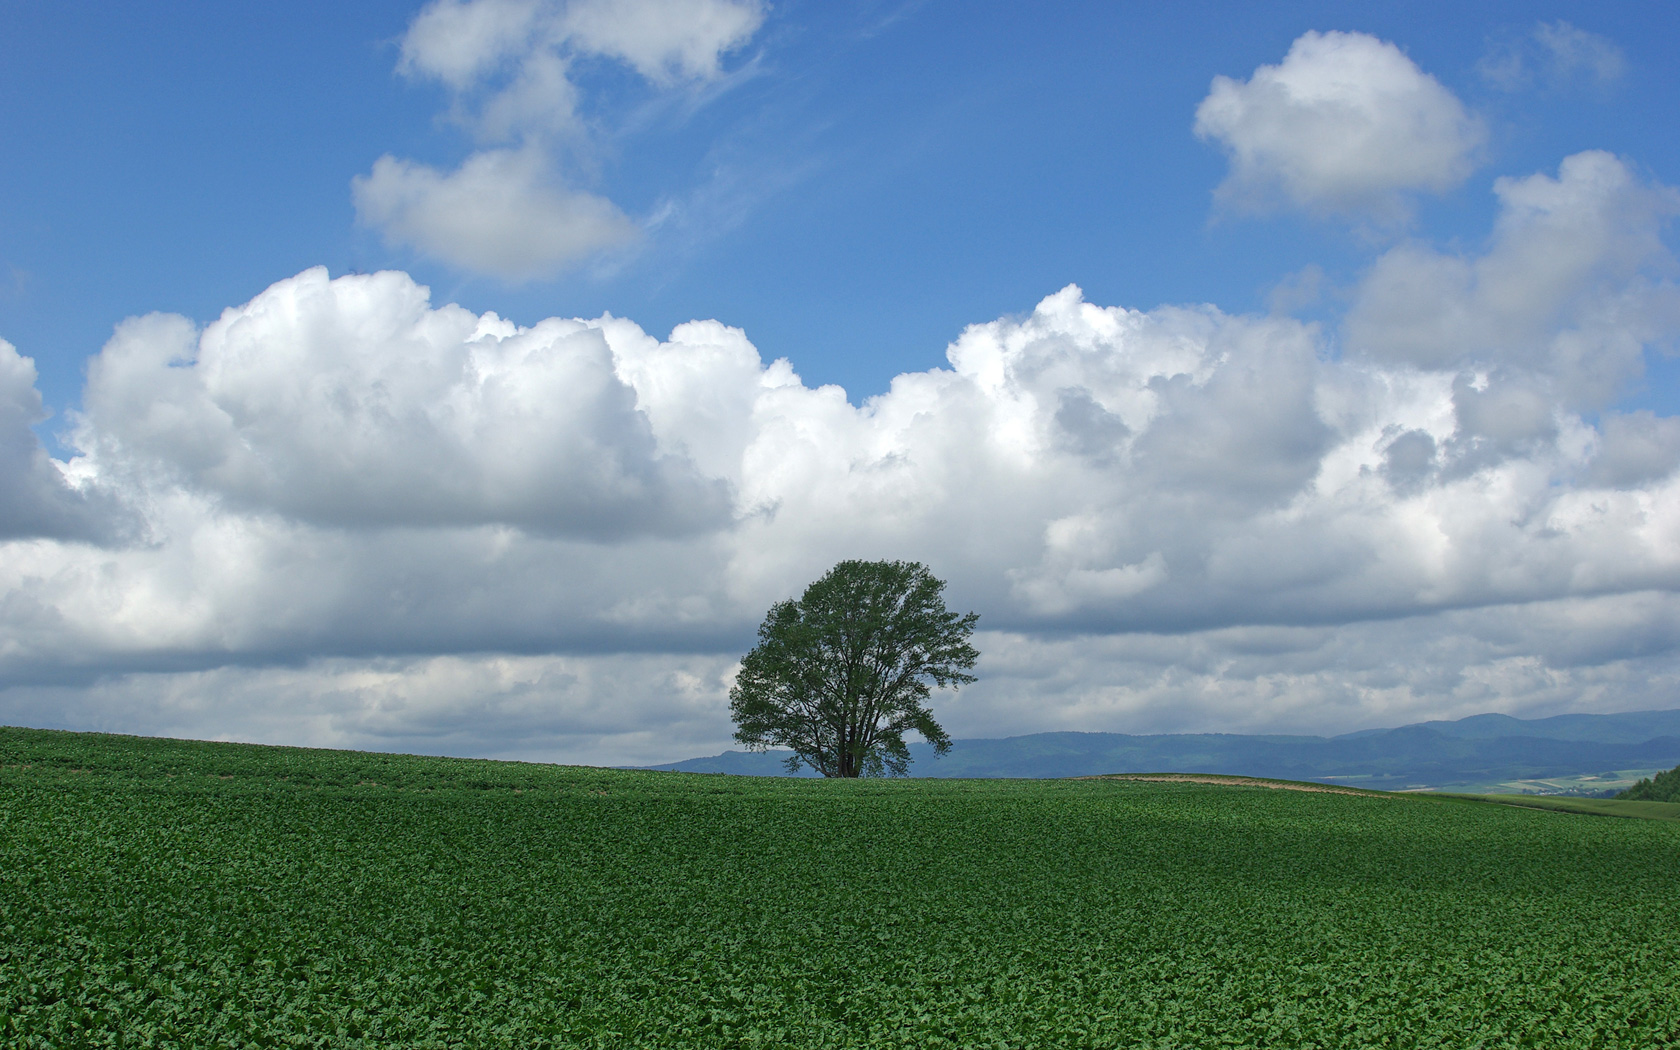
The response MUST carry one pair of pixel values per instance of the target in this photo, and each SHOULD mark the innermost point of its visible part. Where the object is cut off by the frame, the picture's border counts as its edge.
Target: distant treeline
(1665, 787)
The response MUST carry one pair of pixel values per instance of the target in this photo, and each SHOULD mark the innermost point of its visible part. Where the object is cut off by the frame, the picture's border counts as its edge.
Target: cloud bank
(416, 526)
(345, 514)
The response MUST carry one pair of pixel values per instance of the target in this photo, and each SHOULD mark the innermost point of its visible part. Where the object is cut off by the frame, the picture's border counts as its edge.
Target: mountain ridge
(1478, 749)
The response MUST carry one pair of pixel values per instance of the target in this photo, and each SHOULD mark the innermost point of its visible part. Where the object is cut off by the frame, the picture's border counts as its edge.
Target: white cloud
(1573, 50)
(353, 403)
(664, 40)
(1555, 53)
(458, 43)
(38, 497)
(466, 43)
(1572, 288)
(503, 212)
(1605, 654)
(600, 710)
(510, 212)
(1601, 655)
(1635, 449)
(538, 103)
(1171, 519)
(1345, 124)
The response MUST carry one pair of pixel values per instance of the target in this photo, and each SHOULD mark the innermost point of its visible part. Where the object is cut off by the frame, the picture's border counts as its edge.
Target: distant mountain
(1476, 750)
(1633, 727)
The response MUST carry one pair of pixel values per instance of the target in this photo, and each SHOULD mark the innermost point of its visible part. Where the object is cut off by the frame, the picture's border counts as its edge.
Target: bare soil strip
(1229, 781)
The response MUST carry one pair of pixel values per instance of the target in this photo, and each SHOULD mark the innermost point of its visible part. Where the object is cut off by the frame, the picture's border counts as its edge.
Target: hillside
(1474, 753)
(171, 893)
(1664, 787)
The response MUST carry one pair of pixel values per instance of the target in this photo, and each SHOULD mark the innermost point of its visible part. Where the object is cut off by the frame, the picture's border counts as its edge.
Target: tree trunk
(847, 760)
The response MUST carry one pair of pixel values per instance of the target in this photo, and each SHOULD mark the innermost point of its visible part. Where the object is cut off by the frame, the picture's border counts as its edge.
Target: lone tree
(841, 674)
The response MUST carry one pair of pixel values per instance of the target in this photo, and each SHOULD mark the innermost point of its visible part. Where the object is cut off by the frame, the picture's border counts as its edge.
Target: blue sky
(878, 176)
(1364, 409)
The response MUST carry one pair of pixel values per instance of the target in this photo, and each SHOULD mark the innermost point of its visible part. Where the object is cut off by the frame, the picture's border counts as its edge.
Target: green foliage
(160, 893)
(1604, 807)
(1664, 787)
(840, 675)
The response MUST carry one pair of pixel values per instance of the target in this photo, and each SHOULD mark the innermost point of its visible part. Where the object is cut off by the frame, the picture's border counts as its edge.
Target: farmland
(166, 893)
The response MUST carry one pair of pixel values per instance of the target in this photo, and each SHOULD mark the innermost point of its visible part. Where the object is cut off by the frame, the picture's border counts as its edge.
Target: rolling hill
(193, 894)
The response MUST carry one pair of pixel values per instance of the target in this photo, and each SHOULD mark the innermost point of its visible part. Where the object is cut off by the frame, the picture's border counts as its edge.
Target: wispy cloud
(513, 211)
(1555, 55)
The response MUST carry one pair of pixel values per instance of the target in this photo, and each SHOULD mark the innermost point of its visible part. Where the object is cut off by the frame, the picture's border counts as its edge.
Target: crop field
(1609, 807)
(165, 893)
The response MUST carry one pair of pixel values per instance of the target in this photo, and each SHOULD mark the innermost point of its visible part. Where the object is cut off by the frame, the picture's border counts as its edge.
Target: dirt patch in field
(1214, 778)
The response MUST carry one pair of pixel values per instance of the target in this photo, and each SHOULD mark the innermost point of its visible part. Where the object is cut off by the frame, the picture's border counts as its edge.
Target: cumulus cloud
(1634, 449)
(1554, 53)
(353, 402)
(1573, 286)
(394, 516)
(510, 212)
(1346, 124)
(38, 497)
(503, 212)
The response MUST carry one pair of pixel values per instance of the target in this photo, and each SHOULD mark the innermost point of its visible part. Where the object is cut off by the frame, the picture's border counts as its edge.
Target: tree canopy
(1665, 788)
(841, 674)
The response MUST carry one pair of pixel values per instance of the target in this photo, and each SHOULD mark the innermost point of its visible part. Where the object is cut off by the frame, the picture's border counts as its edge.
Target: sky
(470, 377)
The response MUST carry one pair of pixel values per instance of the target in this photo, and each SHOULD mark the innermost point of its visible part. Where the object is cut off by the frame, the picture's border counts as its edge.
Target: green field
(163, 893)
(1603, 807)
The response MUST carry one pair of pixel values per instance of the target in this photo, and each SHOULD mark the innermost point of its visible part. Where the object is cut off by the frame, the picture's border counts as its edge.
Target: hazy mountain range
(1480, 750)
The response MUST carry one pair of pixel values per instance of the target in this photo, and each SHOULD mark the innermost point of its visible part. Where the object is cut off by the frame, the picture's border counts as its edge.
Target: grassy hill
(184, 894)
